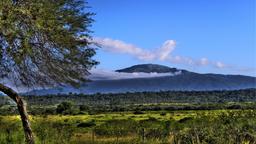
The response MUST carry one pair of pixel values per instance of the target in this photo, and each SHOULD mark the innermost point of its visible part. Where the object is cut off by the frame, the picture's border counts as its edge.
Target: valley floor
(150, 127)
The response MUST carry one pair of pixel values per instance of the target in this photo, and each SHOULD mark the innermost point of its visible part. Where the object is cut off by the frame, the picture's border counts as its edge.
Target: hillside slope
(185, 80)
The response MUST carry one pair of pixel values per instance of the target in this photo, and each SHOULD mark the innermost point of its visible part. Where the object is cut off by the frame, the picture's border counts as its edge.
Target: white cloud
(219, 64)
(101, 74)
(204, 61)
(163, 53)
(166, 49)
(118, 46)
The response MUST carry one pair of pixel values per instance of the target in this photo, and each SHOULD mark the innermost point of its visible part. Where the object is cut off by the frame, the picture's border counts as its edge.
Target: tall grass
(184, 127)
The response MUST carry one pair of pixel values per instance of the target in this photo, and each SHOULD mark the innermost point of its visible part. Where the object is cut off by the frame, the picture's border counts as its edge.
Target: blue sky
(206, 36)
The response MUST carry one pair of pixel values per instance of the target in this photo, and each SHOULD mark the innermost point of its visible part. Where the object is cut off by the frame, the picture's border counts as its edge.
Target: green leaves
(43, 41)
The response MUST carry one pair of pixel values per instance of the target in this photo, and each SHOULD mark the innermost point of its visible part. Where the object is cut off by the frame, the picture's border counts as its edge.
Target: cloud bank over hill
(102, 74)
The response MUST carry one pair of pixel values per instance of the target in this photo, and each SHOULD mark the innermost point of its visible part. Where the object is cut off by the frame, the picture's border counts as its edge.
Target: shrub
(86, 124)
(84, 108)
(163, 114)
(116, 128)
(138, 112)
(183, 120)
(65, 107)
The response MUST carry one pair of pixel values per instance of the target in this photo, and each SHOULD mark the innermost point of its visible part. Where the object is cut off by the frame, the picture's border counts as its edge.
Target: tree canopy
(45, 42)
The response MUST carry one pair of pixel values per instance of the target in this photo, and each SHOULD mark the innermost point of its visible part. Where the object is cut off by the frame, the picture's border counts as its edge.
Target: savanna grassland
(156, 120)
(216, 126)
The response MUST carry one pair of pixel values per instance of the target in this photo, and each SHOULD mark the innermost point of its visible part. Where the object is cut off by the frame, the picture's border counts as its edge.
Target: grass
(215, 126)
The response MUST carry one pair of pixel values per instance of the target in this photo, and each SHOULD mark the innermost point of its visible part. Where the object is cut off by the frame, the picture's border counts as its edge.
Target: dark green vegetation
(193, 97)
(203, 117)
(144, 101)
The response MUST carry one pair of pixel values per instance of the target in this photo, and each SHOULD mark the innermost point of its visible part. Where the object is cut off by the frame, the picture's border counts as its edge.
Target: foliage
(140, 98)
(45, 42)
(86, 124)
(65, 107)
(161, 101)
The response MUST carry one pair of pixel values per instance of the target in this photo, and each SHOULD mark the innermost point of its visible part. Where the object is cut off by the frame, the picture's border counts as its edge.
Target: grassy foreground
(200, 127)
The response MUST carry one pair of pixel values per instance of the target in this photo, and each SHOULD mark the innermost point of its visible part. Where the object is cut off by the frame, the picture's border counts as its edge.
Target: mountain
(174, 79)
(149, 68)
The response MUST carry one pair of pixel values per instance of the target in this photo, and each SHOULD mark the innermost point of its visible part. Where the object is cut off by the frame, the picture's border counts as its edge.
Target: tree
(43, 43)
(65, 107)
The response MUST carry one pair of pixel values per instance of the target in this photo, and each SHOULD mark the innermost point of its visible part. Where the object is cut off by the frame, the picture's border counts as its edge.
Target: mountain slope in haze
(183, 80)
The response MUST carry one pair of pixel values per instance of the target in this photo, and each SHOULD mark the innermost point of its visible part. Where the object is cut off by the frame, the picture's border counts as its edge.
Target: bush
(183, 120)
(116, 128)
(84, 108)
(163, 114)
(138, 112)
(65, 107)
(86, 124)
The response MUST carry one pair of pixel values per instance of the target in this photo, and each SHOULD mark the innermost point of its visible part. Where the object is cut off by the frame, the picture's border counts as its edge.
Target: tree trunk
(22, 111)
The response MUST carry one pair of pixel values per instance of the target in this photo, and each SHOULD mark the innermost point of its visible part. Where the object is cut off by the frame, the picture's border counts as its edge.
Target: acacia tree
(43, 43)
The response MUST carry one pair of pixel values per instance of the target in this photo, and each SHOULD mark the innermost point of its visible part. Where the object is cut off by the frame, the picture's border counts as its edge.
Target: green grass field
(153, 127)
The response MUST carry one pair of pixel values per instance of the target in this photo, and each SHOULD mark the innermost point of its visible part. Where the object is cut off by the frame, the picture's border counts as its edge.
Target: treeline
(136, 102)
(192, 97)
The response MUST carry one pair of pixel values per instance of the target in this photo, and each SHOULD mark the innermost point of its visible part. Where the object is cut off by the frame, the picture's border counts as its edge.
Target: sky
(205, 36)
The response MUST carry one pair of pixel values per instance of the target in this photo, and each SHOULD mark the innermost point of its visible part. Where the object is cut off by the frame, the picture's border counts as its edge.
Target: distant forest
(195, 97)
(139, 101)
